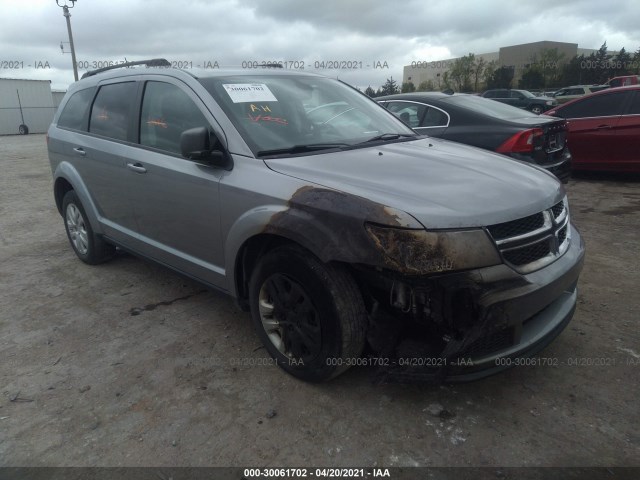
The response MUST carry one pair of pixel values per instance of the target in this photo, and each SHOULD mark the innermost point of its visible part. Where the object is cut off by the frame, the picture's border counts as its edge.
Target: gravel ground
(129, 364)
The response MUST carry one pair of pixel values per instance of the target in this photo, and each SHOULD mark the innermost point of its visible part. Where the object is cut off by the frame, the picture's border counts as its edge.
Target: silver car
(351, 239)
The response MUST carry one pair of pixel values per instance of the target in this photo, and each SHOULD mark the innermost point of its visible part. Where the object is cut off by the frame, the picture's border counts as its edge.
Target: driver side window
(167, 111)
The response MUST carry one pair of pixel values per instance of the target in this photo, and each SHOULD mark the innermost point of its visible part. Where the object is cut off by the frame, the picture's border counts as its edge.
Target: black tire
(23, 129)
(314, 311)
(537, 109)
(89, 247)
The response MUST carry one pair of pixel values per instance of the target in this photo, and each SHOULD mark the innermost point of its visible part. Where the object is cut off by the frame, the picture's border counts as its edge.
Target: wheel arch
(67, 178)
(247, 258)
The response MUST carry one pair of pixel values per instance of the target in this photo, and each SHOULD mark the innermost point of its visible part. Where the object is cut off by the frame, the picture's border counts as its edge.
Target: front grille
(491, 343)
(562, 235)
(530, 243)
(530, 253)
(557, 209)
(518, 227)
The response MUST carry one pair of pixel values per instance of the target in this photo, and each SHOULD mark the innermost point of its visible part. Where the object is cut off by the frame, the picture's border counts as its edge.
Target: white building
(25, 103)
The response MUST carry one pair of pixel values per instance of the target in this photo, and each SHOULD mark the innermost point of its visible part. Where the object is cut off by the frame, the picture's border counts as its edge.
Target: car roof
(193, 73)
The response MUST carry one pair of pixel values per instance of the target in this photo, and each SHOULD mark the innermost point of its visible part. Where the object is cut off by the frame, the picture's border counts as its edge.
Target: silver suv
(351, 239)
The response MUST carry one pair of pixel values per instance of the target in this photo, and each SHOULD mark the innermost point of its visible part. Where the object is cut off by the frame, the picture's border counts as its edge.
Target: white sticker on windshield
(249, 92)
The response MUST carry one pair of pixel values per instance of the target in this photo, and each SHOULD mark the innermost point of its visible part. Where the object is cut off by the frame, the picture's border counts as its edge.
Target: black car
(521, 99)
(486, 124)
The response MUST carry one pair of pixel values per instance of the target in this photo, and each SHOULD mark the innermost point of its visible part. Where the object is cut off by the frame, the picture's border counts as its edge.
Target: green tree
(573, 71)
(462, 71)
(445, 82)
(370, 92)
(532, 78)
(488, 72)
(478, 71)
(390, 87)
(549, 63)
(636, 62)
(408, 87)
(426, 86)
(621, 64)
(501, 78)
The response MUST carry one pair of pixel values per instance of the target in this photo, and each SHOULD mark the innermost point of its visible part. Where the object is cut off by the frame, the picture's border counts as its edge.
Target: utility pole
(67, 15)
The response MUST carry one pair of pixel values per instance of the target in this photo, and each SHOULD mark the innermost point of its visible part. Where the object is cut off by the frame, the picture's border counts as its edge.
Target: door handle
(603, 127)
(80, 151)
(136, 167)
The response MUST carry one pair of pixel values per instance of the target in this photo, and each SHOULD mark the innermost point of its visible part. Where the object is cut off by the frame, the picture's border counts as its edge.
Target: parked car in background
(521, 99)
(486, 124)
(569, 93)
(604, 129)
(624, 81)
(326, 217)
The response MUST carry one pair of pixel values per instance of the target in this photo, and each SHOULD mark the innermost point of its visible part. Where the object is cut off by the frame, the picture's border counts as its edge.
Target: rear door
(102, 155)
(592, 123)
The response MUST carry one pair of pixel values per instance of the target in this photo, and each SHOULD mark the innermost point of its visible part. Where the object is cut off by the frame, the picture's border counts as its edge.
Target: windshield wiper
(389, 136)
(312, 147)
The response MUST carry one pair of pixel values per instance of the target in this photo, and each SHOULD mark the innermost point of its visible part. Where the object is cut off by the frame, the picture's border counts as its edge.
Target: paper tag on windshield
(249, 92)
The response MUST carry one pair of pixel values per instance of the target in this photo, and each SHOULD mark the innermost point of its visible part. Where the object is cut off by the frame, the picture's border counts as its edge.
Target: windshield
(488, 107)
(275, 113)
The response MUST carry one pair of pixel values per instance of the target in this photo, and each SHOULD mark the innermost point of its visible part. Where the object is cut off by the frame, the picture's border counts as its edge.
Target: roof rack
(154, 62)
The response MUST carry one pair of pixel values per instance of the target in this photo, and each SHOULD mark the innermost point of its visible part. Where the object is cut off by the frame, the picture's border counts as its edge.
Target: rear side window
(634, 108)
(167, 111)
(111, 110)
(409, 113)
(74, 115)
(435, 118)
(597, 106)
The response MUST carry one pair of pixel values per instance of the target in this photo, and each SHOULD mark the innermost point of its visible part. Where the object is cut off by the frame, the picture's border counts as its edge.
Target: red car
(604, 129)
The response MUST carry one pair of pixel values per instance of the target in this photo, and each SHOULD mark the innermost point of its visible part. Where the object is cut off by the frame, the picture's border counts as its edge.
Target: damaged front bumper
(462, 326)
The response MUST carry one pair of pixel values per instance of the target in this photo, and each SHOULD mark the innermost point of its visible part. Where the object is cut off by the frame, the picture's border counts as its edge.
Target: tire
(537, 109)
(23, 129)
(310, 316)
(89, 247)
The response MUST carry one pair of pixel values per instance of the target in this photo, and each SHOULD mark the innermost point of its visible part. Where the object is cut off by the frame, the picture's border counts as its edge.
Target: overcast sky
(229, 32)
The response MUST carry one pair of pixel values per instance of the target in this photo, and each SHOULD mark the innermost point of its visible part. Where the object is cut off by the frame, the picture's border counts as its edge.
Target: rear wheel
(310, 316)
(89, 247)
(537, 109)
(23, 129)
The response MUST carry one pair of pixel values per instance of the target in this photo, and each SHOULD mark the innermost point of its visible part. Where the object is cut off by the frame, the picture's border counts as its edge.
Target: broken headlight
(418, 252)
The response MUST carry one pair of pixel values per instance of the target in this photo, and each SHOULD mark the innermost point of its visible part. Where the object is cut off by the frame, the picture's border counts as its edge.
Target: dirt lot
(129, 364)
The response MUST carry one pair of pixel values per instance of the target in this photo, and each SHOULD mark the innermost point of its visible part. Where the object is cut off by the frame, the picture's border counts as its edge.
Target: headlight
(420, 252)
(549, 102)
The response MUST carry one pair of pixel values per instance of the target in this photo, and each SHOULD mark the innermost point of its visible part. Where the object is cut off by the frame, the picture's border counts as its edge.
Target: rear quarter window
(74, 114)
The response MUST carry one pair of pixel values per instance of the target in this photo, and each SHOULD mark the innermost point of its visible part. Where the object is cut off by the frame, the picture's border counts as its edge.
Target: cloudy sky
(366, 33)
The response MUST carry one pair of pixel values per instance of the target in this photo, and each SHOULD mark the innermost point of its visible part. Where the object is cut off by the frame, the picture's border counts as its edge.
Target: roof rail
(154, 62)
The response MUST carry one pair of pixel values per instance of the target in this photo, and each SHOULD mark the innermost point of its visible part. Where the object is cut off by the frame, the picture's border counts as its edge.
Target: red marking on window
(158, 122)
(268, 118)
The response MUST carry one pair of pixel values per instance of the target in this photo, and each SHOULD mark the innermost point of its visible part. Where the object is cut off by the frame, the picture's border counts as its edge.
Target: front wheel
(537, 109)
(89, 247)
(310, 316)
(23, 129)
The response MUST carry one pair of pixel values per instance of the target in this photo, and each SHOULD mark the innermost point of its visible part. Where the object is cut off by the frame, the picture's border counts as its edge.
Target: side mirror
(195, 144)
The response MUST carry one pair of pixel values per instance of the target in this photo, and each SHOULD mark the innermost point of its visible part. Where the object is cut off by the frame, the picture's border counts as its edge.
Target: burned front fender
(338, 226)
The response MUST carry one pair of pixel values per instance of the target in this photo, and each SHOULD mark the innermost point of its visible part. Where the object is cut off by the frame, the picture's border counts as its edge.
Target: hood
(440, 183)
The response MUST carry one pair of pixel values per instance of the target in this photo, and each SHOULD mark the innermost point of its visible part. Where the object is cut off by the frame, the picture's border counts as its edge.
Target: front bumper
(519, 315)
